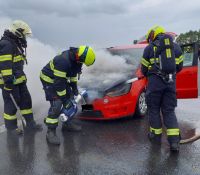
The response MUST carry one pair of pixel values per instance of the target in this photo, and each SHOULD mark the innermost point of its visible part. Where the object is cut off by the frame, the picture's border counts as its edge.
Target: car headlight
(120, 89)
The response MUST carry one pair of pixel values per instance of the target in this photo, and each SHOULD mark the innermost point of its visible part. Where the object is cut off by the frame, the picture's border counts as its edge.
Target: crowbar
(20, 115)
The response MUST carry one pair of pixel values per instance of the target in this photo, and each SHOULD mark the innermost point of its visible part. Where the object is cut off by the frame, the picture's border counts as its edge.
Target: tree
(189, 37)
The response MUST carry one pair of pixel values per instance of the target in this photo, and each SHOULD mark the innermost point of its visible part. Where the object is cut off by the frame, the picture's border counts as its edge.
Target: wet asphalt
(117, 147)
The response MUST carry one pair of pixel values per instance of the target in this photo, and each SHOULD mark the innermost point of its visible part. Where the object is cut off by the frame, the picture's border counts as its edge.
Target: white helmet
(20, 29)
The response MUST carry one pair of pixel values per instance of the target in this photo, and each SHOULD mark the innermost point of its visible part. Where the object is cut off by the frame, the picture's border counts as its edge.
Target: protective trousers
(55, 105)
(163, 102)
(24, 102)
(54, 111)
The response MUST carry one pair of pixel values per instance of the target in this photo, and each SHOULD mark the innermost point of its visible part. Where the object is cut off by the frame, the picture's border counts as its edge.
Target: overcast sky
(58, 24)
(104, 23)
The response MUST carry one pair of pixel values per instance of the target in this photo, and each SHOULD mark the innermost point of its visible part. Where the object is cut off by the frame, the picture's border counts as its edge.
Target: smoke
(38, 55)
(106, 70)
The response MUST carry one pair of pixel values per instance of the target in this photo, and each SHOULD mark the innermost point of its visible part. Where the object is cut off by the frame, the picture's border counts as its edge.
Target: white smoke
(38, 55)
(106, 70)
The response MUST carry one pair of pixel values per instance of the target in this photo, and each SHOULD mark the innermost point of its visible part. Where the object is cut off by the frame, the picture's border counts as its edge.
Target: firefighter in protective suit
(161, 88)
(13, 79)
(59, 79)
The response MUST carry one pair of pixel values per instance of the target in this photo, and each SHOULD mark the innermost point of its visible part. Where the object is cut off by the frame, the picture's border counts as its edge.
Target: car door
(187, 79)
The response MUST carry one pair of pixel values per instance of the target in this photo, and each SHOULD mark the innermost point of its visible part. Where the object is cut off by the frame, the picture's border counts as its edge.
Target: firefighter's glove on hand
(68, 104)
(75, 91)
(74, 88)
(70, 108)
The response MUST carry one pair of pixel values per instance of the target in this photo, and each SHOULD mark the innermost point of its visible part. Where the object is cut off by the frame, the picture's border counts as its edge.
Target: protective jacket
(62, 72)
(150, 70)
(12, 60)
(148, 60)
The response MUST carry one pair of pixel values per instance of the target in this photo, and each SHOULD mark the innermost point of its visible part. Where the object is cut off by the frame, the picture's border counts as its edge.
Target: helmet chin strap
(22, 45)
(151, 36)
(25, 56)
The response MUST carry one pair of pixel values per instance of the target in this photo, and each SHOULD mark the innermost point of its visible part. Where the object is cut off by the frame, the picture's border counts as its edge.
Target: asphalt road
(103, 148)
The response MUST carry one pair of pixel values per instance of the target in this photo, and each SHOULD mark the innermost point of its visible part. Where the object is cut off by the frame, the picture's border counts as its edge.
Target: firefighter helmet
(20, 28)
(86, 55)
(154, 32)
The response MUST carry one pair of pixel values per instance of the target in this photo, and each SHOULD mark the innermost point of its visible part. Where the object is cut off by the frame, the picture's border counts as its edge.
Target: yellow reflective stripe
(8, 89)
(51, 65)
(166, 40)
(68, 79)
(26, 111)
(144, 62)
(17, 81)
(6, 72)
(18, 58)
(156, 131)
(152, 60)
(1, 81)
(179, 60)
(59, 73)
(20, 80)
(51, 121)
(61, 93)
(168, 53)
(9, 117)
(173, 132)
(73, 79)
(46, 78)
(56, 72)
(5, 58)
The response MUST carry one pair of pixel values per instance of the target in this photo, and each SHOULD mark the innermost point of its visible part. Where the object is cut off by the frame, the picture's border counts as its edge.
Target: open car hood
(93, 93)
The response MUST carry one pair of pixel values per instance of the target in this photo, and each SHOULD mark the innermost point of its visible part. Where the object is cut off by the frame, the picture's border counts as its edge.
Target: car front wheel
(141, 107)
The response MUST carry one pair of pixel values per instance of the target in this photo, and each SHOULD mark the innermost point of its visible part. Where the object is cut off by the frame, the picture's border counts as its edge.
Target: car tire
(141, 107)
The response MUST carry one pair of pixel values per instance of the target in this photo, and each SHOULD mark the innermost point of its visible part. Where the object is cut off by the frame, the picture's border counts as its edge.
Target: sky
(103, 23)
(59, 24)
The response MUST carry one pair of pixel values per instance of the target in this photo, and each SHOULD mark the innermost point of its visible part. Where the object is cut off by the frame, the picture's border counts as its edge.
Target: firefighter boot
(52, 137)
(33, 126)
(70, 126)
(174, 146)
(155, 138)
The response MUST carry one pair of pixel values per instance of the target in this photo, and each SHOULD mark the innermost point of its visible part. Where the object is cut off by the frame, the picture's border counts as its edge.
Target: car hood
(94, 93)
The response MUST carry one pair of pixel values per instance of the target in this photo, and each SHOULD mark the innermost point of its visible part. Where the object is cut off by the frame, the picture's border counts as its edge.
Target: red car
(127, 98)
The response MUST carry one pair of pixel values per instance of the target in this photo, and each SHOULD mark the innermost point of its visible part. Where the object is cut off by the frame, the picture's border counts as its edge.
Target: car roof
(141, 44)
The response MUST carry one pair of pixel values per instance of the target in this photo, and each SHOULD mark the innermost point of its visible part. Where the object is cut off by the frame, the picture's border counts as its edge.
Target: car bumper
(114, 107)
(108, 108)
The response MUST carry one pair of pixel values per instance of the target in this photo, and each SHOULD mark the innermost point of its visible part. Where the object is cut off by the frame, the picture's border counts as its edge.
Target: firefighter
(13, 79)
(59, 79)
(161, 88)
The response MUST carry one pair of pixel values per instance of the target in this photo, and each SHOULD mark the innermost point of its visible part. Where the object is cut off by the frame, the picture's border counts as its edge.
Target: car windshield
(132, 55)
